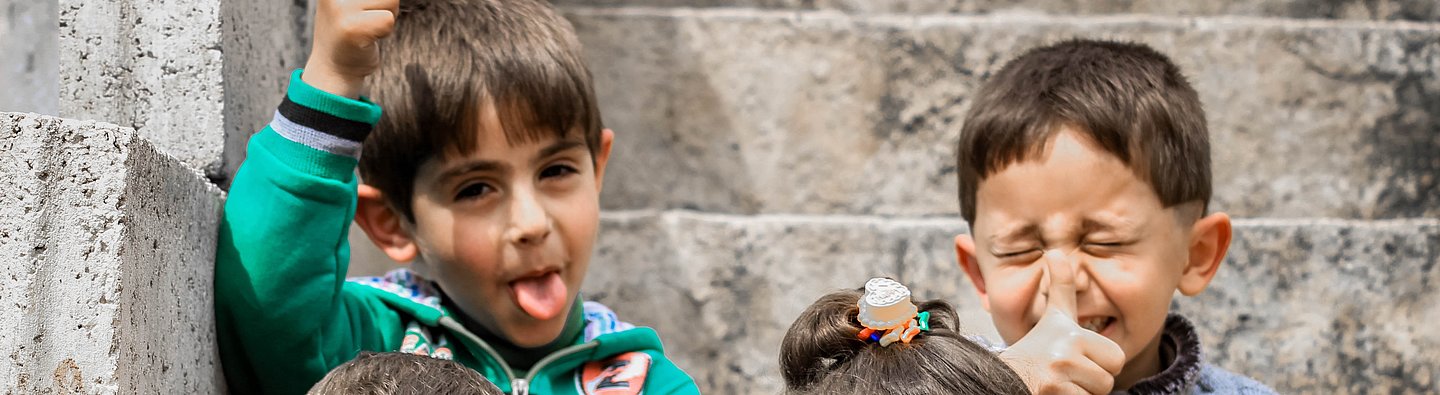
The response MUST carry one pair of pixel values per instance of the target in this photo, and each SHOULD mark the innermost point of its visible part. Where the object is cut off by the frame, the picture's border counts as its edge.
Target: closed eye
(1105, 248)
(1016, 254)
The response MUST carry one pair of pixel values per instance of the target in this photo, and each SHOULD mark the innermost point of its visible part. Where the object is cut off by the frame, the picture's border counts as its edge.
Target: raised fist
(343, 50)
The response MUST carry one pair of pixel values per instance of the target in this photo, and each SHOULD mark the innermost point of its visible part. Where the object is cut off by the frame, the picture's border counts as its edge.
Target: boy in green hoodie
(483, 174)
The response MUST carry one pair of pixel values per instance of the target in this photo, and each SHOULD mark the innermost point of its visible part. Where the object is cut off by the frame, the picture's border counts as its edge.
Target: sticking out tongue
(542, 297)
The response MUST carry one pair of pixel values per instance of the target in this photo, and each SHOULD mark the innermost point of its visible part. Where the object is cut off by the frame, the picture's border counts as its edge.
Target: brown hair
(821, 355)
(1127, 98)
(448, 58)
(394, 373)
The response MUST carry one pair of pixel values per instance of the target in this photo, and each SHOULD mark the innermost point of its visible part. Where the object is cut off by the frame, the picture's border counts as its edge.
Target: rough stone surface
(108, 246)
(189, 76)
(829, 113)
(1304, 306)
(1328, 307)
(1416, 10)
(263, 42)
(29, 75)
(150, 65)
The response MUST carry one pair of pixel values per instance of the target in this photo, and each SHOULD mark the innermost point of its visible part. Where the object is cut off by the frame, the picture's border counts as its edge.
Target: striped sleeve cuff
(324, 121)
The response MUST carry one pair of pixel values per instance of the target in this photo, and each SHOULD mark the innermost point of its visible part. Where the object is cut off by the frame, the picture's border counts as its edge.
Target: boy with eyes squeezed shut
(482, 156)
(1084, 173)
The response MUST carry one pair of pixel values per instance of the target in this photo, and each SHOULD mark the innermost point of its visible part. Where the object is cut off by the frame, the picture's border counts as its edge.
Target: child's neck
(1148, 363)
(521, 359)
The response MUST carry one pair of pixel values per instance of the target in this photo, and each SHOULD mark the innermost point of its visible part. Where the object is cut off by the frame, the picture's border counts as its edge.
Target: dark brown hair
(1128, 99)
(821, 355)
(448, 58)
(394, 373)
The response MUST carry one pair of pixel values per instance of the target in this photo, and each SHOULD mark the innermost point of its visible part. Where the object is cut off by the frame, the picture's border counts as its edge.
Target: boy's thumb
(1062, 283)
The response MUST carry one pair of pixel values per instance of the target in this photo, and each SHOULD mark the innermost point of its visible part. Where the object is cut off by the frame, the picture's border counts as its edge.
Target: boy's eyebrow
(1089, 225)
(1015, 232)
(558, 147)
(470, 167)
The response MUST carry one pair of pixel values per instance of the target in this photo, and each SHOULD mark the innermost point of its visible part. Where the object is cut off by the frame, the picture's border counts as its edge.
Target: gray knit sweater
(1188, 373)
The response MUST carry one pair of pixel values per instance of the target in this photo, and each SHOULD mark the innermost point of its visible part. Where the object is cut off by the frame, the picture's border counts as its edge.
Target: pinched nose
(1078, 266)
(1078, 276)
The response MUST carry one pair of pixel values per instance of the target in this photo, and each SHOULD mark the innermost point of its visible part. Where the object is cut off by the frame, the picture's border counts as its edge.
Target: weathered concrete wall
(1309, 119)
(1323, 306)
(196, 78)
(29, 76)
(263, 41)
(1306, 306)
(150, 67)
(108, 246)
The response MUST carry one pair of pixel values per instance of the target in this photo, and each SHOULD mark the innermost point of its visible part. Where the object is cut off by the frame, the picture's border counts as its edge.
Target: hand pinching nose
(1061, 295)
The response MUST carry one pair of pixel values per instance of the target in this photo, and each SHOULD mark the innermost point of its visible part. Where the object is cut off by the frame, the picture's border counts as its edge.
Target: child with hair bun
(877, 340)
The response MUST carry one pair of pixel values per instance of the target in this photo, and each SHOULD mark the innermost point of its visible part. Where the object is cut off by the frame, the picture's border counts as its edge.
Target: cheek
(466, 249)
(1014, 299)
(578, 218)
(1140, 289)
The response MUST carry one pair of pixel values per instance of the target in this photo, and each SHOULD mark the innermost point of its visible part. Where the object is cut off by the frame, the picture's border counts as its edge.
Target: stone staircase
(768, 152)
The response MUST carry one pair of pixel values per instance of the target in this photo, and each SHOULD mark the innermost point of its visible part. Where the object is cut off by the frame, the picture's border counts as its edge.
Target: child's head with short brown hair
(402, 374)
(449, 58)
(821, 354)
(484, 172)
(1127, 99)
(1098, 149)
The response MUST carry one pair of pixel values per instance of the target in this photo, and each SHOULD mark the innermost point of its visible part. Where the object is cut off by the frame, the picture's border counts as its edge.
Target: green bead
(924, 319)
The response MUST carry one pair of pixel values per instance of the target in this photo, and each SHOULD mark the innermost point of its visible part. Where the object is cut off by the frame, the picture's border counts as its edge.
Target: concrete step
(755, 111)
(108, 246)
(1414, 10)
(195, 78)
(1305, 306)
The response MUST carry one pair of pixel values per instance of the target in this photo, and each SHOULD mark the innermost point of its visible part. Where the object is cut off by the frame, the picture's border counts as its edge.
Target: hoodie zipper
(518, 386)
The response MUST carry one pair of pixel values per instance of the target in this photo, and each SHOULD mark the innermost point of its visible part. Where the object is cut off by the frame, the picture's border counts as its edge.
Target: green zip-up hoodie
(286, 315)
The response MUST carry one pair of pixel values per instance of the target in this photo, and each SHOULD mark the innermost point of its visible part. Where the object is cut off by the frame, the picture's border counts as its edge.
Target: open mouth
(1097, 324)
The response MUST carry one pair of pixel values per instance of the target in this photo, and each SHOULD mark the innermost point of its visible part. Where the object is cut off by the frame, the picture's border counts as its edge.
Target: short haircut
(1127, 98)
(822, 355)
(448, 58)
(394, 373)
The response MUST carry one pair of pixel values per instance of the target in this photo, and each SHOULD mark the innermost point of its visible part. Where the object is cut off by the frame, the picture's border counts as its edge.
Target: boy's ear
(1209, 240)
(965, 253)
(385, 227)
(602, 156)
